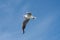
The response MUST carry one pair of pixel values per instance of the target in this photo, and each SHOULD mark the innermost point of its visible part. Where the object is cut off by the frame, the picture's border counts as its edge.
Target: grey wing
(24, 24)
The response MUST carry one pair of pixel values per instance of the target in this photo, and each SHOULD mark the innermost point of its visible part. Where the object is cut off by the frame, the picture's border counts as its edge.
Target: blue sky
(45, 27)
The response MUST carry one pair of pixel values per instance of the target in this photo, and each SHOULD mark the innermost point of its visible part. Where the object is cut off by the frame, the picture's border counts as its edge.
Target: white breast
(26, 16)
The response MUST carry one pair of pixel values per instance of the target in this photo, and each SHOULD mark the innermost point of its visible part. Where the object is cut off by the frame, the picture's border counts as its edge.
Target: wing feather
(24, 24)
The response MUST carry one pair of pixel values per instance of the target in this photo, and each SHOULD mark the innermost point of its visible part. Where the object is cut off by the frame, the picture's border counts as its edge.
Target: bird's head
(28, 13)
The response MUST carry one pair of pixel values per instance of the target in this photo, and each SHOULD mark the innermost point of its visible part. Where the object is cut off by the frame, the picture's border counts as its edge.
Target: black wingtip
(23, 32)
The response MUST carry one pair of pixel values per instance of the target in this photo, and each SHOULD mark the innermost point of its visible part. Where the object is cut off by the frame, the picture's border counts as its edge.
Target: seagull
(27, 17)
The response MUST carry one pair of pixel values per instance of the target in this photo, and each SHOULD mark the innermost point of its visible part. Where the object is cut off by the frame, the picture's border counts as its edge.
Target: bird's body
(27, 17)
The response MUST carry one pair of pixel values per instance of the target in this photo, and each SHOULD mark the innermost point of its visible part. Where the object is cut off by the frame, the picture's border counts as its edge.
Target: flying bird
(27, 17)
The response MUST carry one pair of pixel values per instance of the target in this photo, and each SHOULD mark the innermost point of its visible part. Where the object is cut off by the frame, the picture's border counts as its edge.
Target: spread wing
(24, 24)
